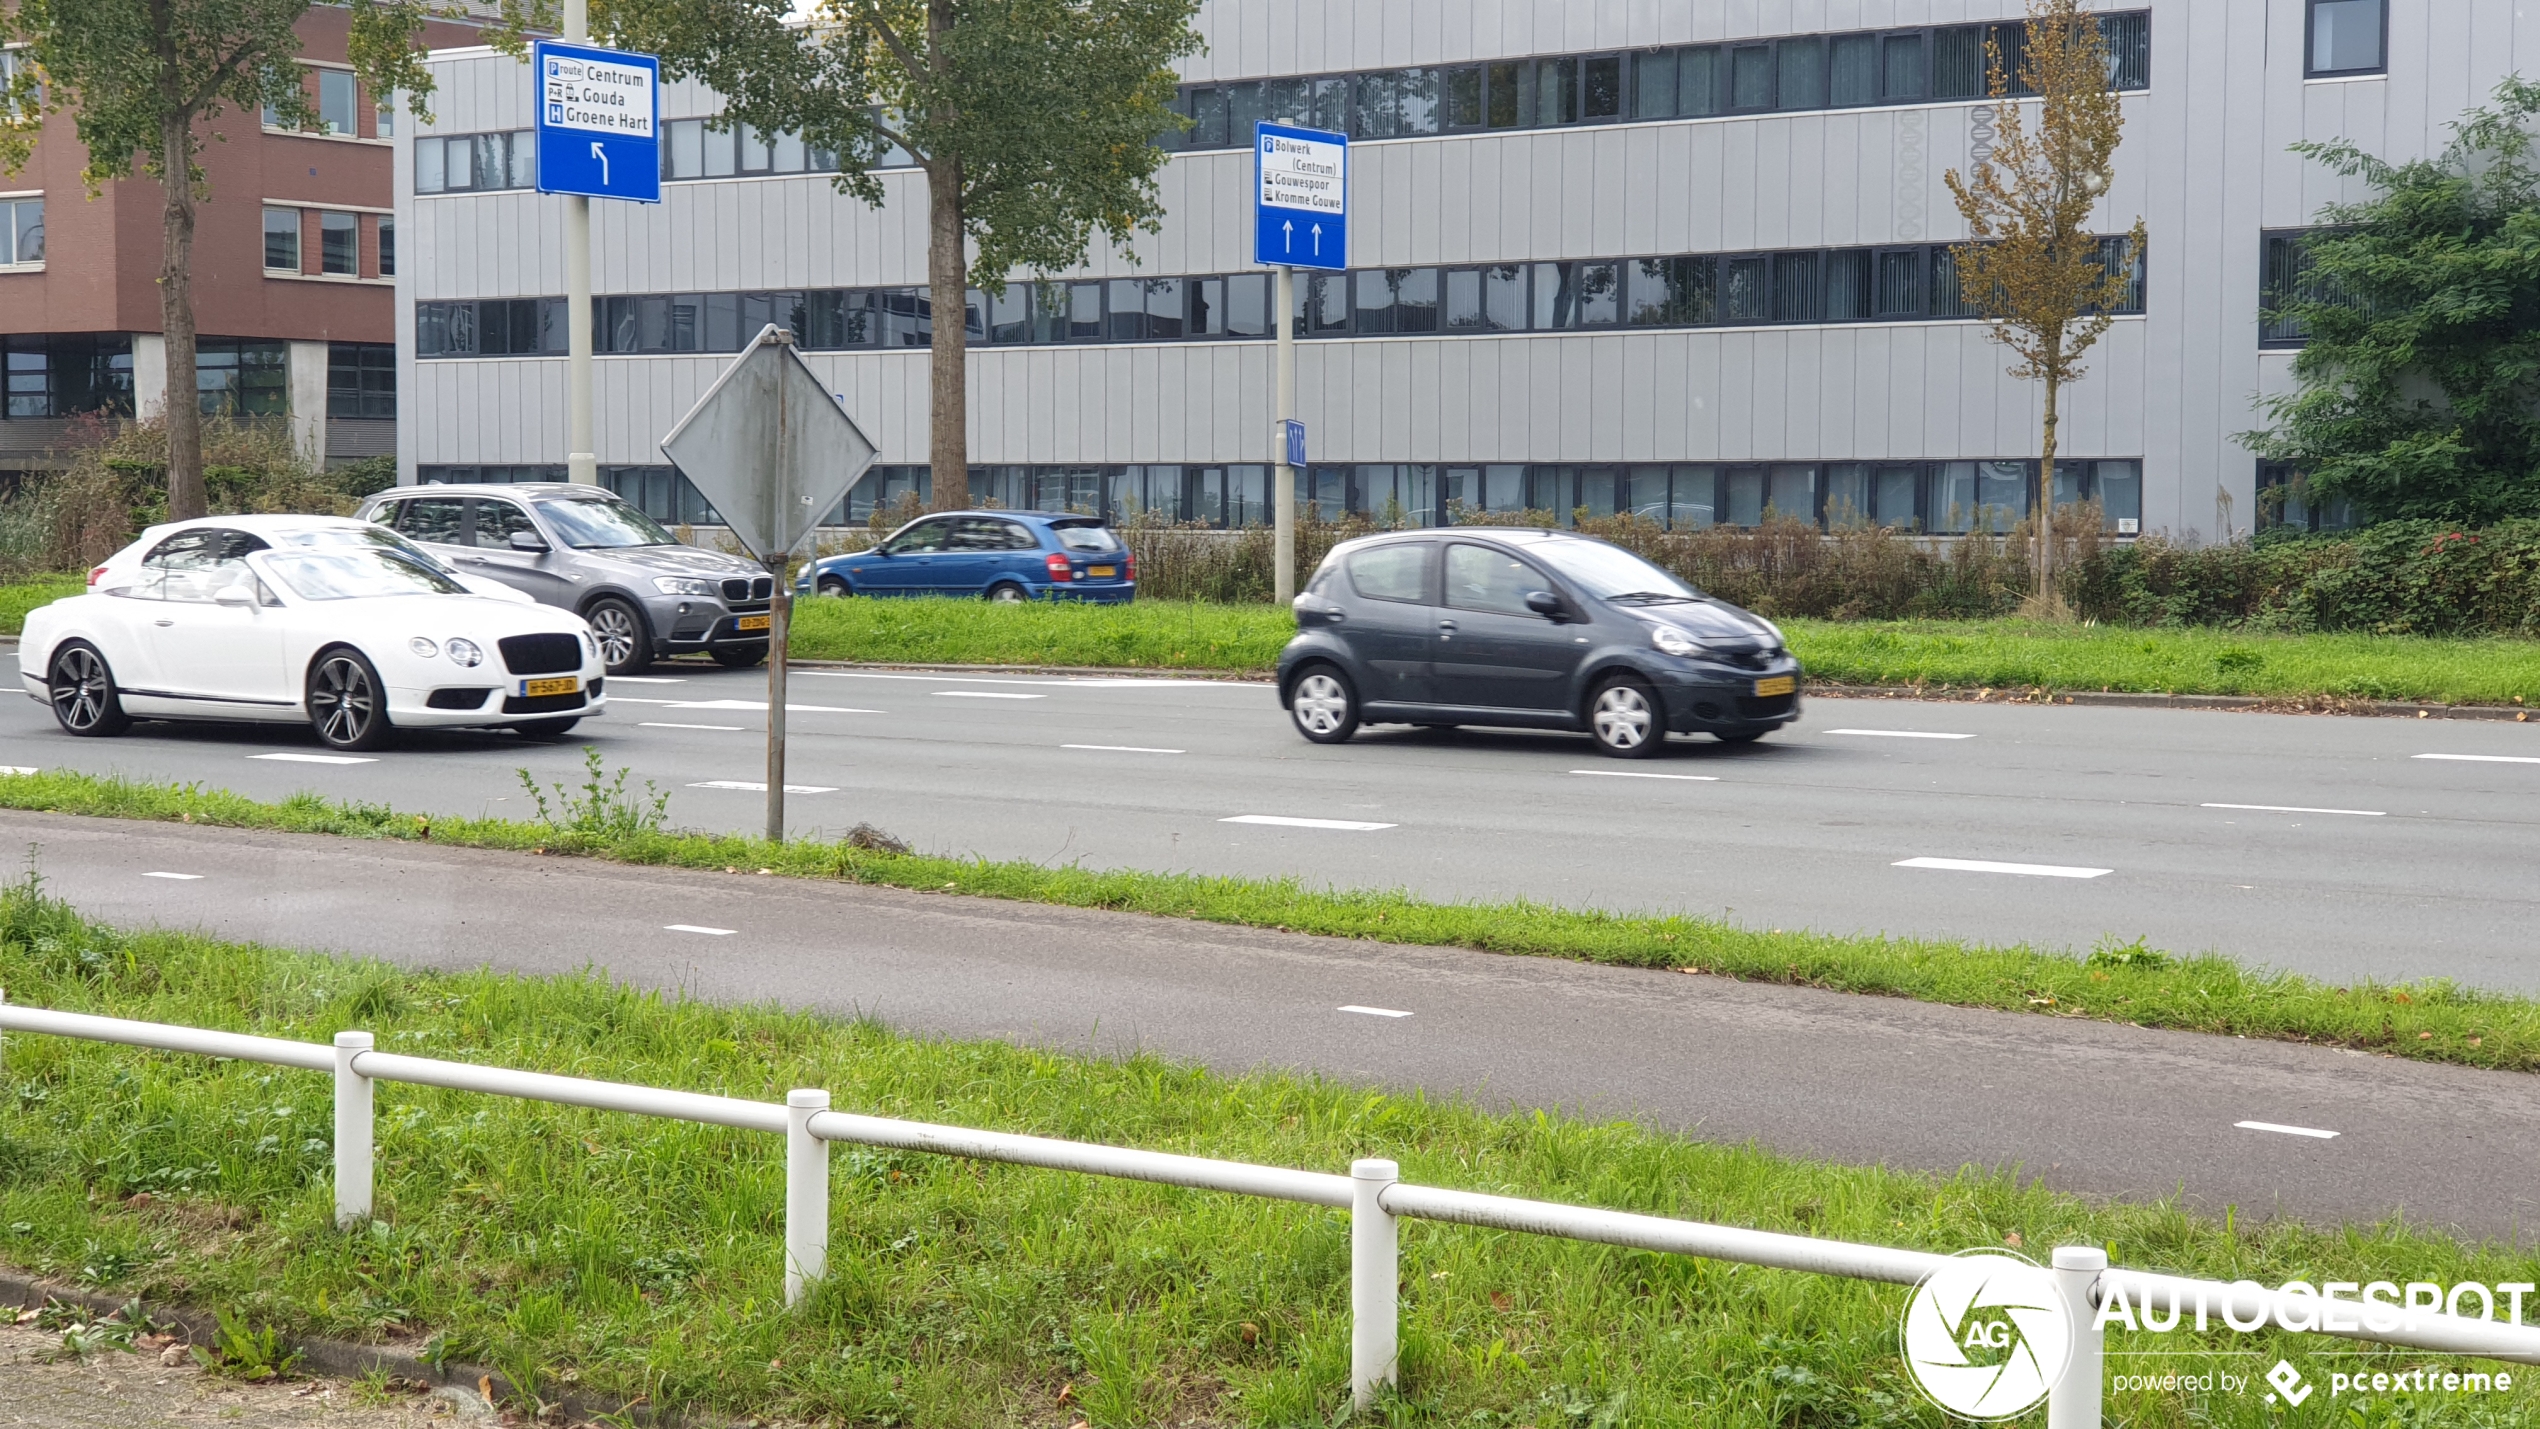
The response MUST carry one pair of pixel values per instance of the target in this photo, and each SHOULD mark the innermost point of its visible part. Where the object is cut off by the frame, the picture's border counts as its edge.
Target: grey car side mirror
(1546, 604)
(527, 541)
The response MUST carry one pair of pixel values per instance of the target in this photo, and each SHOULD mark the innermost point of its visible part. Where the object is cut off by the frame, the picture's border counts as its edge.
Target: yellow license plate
(560, 685)
(752, 622)
(1102, 572)
(1777, 685)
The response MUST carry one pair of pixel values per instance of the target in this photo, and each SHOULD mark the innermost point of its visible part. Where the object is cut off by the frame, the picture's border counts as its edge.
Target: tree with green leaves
(1033, 121)
(2032, 267)
(144, 78)
(2418, 391)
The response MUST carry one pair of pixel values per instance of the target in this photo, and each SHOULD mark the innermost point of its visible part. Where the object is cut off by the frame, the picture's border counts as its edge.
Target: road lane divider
(1374, 1011)
(761, 705)
(698, 928)
(1986, 865)
(1901, 733)
(1637, 774)
(318, 758)
(646, 680)
(1284, 822)
(1124, 749)
(2298, 809)
(983, 695)
(665, 724)
(179, 877)
(2483, 758)
(760, 787)
(2282, 1130)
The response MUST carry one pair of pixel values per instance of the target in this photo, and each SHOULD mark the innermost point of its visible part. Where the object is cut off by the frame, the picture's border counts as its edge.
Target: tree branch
(891, 41)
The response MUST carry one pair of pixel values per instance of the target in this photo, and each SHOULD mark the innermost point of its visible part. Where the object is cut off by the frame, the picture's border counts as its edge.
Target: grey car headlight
(686, 585)
(1673, 641)
(463, 651)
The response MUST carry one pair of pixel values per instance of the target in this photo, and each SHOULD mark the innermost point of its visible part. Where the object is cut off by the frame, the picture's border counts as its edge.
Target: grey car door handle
(1446, 625)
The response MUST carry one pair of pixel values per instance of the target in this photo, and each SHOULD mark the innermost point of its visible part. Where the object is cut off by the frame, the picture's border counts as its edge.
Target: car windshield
(599, 524)
(1612, 573)
(350, 573)
(1086, 538)
(359, 538)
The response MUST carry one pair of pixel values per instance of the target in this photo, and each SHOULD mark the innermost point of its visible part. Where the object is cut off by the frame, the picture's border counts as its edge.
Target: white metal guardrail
(1372, 1193)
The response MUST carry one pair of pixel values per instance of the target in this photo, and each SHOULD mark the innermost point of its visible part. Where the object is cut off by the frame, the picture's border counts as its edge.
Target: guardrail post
(352, 1132)
(1374, 1252)
(2072, 1402)
(806, 1194)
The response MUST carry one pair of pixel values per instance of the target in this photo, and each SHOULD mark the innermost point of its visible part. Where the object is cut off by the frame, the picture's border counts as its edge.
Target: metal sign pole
(582, 462)
(1283, 497)
(780, 616)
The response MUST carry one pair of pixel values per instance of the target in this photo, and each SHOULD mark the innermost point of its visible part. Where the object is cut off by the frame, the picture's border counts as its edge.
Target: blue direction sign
(1300, 205)
(599, 122)
(1294, 431)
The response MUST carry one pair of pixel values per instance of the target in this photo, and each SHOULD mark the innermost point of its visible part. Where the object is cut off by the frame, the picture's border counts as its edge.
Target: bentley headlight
(1673, 641)
(464, 652)
(424, 649)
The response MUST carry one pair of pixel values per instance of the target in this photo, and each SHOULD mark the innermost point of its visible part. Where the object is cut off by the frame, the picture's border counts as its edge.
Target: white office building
(1687, 259)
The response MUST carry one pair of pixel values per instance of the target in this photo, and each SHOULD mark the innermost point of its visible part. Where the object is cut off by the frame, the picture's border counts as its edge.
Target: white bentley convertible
(263, 619)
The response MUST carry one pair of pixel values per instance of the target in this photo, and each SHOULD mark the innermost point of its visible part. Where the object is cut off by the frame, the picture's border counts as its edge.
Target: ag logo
(1986, 1334)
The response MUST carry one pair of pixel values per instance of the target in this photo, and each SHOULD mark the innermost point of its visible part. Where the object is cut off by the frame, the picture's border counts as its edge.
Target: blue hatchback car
(996, 555)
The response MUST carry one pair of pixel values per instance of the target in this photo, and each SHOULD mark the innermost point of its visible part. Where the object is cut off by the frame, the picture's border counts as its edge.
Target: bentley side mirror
(238, 593)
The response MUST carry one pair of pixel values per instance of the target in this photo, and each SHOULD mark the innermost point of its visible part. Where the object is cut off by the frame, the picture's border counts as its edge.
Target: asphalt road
(2091, 1107)
(2373, 859)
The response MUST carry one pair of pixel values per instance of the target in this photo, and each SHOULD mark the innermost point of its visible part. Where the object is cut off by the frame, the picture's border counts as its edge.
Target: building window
(2348, 36)
(2285, 503)
(383, 120)
(361, 379)
(339, 244)
(387, 247)
(237, 378)
(282, 240)
(21, 231)
(66, 374)
(26, 377)
(336, 101)
(464, 163)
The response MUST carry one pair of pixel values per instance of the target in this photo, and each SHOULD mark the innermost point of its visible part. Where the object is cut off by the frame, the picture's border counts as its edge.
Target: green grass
(1150, 634)
(2020, 655)
(2433, 1020)
(631, 1259)
(19, 597)
(2001, 655)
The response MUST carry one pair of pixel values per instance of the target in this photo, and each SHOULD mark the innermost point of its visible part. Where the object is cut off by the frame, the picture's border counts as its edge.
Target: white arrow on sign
(603, 156)
(1318, 235)
(1288, 231)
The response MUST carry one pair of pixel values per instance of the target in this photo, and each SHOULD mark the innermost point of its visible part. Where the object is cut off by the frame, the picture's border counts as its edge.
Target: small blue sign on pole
(1295, 431)
(599, 122)
(1300, 207)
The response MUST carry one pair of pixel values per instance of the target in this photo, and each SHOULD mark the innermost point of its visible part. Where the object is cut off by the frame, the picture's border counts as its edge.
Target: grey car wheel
(1324, 706)
(347, 705)
(1007, 593)
(82, 691)
(834, 588)
(626, 647)
(1625, 720)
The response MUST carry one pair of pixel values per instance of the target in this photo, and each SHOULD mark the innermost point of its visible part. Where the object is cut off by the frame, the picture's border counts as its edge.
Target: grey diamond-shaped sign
(768, 447)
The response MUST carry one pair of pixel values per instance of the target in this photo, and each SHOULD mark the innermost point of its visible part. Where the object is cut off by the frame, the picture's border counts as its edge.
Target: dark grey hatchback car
(1531, 629)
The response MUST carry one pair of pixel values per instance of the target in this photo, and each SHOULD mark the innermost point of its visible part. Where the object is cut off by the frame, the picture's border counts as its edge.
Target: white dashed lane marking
(179, 877)
(694, 928)
(760, 787)
(2297, 809)
(317, 758)
(1986, 865)
(1374, 1011)
(1284, 822)
(2283, 1130)
(1901, 733)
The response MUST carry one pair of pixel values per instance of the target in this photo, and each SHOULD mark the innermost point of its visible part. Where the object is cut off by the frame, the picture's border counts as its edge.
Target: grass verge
(2000, 654)
(19, 597)
(2434, 1020)
(637, 1260)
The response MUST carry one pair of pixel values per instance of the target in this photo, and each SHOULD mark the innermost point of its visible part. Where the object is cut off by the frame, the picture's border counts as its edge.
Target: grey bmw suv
(582, 548)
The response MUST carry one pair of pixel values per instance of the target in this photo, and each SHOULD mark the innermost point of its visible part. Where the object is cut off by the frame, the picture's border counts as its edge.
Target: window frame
(298, 235)
(2310, 44)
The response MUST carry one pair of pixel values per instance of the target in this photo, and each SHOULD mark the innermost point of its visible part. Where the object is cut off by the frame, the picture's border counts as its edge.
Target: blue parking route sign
(1300, 203)
(599, 122)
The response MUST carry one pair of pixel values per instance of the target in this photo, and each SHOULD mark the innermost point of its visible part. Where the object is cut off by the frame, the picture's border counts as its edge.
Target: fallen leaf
(1499, 1301)
(1251, 1332)
(2425, 1036)
(2012, 1240)
(1067, 1394)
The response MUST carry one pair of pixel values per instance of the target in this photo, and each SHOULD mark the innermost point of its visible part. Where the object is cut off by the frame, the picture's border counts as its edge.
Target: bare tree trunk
(948, 280)
(184, 409)
(2046, 492)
